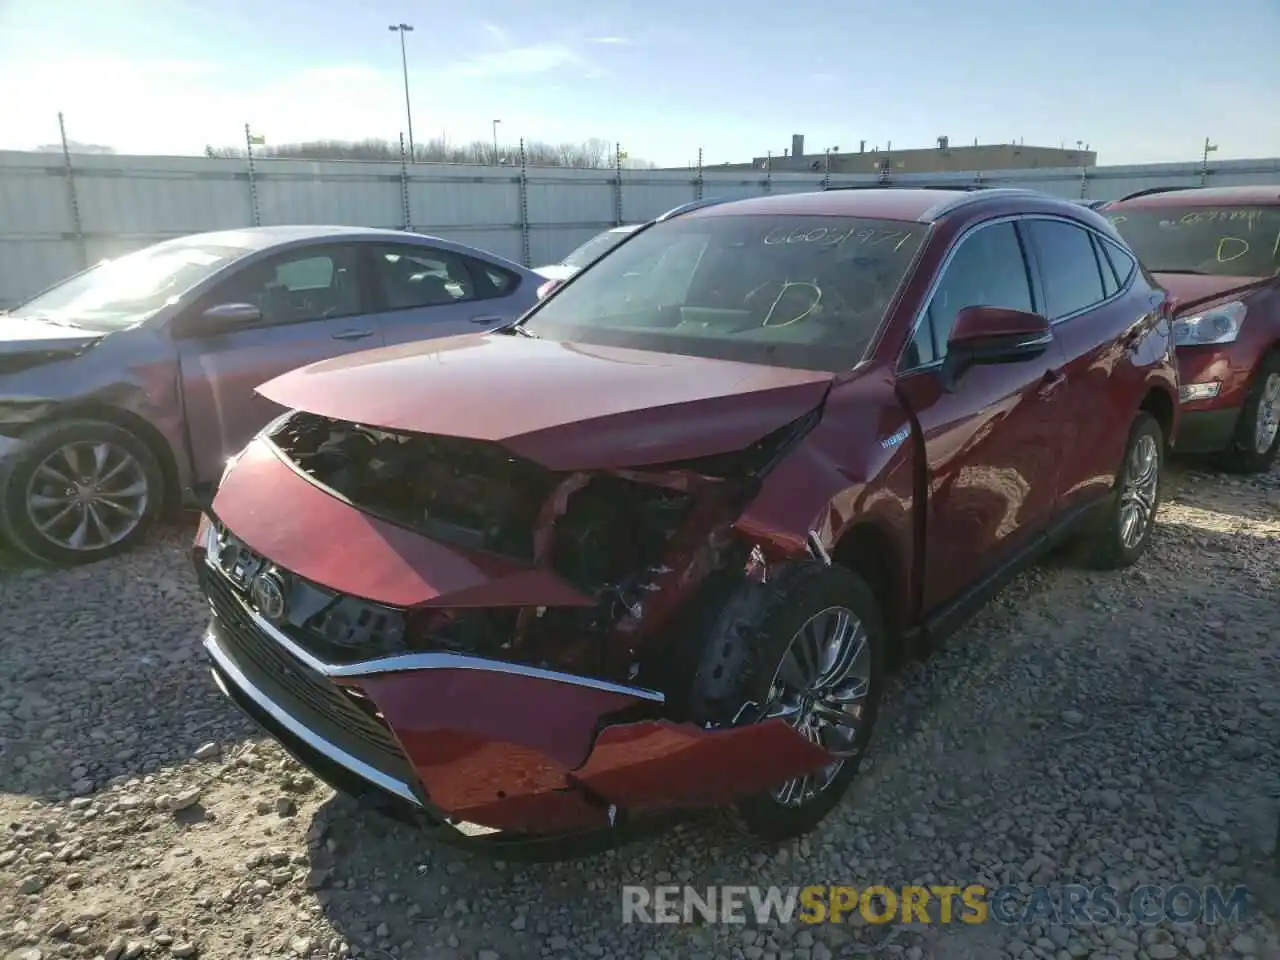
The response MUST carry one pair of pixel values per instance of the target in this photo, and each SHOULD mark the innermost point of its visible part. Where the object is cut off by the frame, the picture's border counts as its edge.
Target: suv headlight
(1220, 324)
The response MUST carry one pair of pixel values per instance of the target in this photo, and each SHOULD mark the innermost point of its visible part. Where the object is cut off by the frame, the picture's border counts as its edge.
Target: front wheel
(1257, 438)
(77, 491)
(812, 654)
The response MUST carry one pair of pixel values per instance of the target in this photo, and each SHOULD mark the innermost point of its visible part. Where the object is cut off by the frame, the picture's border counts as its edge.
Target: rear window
(800, 291)
(1235, 241)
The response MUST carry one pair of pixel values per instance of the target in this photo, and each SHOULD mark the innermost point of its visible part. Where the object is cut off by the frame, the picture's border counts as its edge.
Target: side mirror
(990, 335)
(217, 319)
(231, 314)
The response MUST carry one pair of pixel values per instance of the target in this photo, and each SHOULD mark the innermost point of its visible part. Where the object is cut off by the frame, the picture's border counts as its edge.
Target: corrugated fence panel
(472, 197)
(354, 200)
(650, 193)
(126, 202)
(150, 198)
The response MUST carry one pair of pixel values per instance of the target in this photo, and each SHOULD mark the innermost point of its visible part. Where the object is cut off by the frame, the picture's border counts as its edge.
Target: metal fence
(61, 212)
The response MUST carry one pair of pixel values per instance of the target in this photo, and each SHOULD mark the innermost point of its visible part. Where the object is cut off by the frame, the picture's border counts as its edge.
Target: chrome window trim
(1015, 218)
(426, 661)
(299, 729)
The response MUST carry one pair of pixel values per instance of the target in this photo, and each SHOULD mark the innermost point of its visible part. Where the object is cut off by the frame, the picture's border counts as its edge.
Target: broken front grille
(331, 626)
(346, 719)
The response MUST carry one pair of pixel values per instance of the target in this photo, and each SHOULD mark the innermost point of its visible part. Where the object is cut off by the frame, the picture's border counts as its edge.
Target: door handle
(1053, 381)
(352, 334)
(488, 319)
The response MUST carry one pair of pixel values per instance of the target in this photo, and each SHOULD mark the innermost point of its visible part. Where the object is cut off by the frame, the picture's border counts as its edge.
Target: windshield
(804, 291)
(120, 293)
(595, 248)
(1239, 241)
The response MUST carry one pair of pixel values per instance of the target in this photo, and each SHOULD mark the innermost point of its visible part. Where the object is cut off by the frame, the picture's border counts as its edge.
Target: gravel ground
(1086, 728)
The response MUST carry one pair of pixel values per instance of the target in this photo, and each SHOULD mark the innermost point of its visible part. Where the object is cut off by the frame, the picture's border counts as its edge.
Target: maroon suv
(654, 546)
(1217, 251)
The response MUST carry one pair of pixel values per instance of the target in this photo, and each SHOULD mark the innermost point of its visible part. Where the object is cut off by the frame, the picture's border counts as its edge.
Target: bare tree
(594, 153)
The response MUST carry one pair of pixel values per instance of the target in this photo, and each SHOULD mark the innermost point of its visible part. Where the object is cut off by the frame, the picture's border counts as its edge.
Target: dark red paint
(933, 485)
(1233, 365)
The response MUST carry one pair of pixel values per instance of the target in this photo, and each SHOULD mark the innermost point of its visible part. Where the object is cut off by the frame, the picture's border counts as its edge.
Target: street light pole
(495, 141)
(402, 29)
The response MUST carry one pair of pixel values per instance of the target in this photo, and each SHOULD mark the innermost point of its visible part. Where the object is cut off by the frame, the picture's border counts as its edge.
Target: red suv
(1217, 251)
(655, 545)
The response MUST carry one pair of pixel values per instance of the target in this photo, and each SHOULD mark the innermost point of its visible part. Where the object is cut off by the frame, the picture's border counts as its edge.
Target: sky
(1138, 80)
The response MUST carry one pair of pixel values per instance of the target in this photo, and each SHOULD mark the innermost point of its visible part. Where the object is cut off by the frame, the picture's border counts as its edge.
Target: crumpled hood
(568, 406)
(1194, 288)
(29, 335)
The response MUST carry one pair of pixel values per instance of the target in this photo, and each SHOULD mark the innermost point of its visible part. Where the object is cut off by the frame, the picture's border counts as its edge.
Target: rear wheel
(1257, 438)
(1120, 532)
(811, 654)
(77, 491)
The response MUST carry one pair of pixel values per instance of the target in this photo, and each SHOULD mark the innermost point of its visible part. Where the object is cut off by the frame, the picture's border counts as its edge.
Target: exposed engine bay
(604, 533)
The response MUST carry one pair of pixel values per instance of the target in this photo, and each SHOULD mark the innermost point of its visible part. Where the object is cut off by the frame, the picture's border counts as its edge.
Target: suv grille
(344, 719)
(330, 626)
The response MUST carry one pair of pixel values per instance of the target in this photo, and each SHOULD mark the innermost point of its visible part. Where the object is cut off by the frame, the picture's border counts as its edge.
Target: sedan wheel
(86, 496)
(79, 491)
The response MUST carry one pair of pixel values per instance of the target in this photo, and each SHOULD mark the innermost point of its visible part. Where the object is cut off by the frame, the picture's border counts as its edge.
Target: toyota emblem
(267, 591)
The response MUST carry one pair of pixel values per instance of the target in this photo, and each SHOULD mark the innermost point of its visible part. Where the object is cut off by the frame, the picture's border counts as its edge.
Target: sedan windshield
(595, 248)
(1241, 241)
(797, 291)
(119, 293)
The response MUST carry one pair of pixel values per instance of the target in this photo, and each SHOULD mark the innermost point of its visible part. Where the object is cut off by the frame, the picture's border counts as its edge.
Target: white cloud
(615, 41)
(520, 60)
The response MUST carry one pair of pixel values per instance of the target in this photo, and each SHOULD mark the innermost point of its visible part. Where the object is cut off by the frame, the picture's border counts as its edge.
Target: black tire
(17, 471)
(745, 647)
(1243, 455)
(1102, 546)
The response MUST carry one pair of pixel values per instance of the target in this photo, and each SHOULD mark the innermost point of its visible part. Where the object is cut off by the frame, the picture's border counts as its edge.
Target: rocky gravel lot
(1087, 728)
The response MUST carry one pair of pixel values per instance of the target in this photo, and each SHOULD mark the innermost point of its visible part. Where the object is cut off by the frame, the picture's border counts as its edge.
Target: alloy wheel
(87, 496)
(1139, 490)
(1266, 422)
(820, 689)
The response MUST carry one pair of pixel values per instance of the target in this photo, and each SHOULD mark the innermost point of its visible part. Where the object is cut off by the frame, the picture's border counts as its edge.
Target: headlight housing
(1220, 324)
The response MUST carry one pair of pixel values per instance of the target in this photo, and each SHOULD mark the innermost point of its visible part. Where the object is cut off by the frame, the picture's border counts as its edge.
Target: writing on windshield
(1225, 241)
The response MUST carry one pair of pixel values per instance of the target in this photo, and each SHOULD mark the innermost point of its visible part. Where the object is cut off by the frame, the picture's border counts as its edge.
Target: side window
(412, 277)
(1121, 262)
(500, 282)
(1109, 284)
(987, 270)
(1072, 278)
(302, 285)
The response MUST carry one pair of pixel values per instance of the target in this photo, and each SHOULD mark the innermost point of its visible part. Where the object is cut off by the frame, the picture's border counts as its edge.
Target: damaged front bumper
(462, 740)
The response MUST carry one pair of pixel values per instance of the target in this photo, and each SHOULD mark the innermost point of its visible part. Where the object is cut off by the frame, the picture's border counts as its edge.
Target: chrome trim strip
(942, 269)
(429, 661)
(303, 732)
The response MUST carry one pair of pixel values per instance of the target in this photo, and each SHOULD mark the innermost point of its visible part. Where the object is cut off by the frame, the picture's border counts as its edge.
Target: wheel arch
(872, 552)
(1163, 406)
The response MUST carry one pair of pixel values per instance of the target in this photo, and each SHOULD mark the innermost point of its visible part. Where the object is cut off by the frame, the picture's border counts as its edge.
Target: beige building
(943, 158)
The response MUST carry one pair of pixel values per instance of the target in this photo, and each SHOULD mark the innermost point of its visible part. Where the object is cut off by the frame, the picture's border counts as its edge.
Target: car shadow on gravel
(103, 673)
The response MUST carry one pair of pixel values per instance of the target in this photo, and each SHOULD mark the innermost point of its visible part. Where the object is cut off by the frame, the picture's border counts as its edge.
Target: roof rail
(962, 187)
(690, 206)
(1149, 191)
